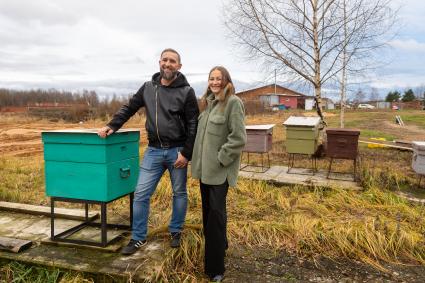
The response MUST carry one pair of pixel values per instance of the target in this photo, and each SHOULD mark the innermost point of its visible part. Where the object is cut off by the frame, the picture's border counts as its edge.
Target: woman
(219, 142)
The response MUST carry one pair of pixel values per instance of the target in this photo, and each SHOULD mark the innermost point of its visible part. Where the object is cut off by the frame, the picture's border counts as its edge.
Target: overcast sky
(113, 46)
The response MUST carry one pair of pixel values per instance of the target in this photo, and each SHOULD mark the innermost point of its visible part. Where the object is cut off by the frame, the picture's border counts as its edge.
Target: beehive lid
(259, 127)
(344, 132)
(89, 136)
(419, 145)
(302, 121)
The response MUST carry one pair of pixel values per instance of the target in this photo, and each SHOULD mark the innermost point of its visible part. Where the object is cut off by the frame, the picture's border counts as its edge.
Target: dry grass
(372, 226)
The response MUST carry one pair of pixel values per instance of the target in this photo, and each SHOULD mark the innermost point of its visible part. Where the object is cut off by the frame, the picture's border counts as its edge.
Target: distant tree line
(408, 95)
(21, 98)
(84, 105)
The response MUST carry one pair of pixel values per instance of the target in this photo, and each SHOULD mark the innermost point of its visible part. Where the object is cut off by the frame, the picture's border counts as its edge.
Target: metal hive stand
(64, 236)
(291, 163)
(355, 164)
(419, 180)
(263, 168)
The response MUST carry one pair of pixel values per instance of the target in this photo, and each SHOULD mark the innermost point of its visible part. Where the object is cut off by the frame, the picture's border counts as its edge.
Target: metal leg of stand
(355, 167)
(289, 162)
(268, 159)
(103, 227)
(131, 210)
(86, 206)
(329, 168)
(52, 218)
(262, 162)
(292, 160)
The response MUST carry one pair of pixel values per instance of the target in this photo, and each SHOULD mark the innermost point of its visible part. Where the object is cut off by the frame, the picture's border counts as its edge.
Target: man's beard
(168, 76)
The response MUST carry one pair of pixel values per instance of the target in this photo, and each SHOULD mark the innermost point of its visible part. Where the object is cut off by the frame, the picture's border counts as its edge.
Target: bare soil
(408, 132)
(22, 136)
(259, 265)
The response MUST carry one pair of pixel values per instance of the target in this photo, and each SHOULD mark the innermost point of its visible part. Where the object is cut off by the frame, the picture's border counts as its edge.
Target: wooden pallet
(14, 245)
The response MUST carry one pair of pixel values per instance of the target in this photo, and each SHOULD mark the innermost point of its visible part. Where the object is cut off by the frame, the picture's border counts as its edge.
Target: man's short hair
(173, 51)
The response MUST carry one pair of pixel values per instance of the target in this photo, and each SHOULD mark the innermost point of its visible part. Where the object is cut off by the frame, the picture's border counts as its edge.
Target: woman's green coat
(219, 142)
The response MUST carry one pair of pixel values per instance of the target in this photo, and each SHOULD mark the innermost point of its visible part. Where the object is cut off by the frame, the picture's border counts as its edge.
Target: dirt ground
(265, 266)
(22, 136)
(24, 139)
(406, 132)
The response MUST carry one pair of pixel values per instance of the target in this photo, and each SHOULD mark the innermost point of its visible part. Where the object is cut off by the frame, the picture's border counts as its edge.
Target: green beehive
(81, 165)
(302, 134)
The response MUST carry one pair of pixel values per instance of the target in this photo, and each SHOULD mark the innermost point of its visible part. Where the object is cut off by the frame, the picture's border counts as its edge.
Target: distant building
(415, 104)
(328, 104)
(271, 96)
(383, 105)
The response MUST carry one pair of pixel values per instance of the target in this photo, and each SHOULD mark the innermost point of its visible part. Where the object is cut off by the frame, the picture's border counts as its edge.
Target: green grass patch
(334, 122)
(376, 134)
(17, 272)
(418, 120)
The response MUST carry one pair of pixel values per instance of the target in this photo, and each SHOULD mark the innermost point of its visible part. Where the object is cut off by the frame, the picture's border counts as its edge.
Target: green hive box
(81, 165)
(302, 134)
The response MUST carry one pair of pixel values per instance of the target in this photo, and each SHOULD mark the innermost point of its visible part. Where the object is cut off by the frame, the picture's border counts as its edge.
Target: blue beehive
(81, 165)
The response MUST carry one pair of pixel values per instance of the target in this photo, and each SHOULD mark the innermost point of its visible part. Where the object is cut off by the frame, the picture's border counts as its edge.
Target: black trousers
(214, 218)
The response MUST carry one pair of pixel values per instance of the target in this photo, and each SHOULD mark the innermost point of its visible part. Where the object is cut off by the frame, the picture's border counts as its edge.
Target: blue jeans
(155, 162)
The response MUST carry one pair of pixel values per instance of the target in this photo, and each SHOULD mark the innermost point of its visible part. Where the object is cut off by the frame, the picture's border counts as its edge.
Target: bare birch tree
(303, 39)
(367, 30)
(344, 66)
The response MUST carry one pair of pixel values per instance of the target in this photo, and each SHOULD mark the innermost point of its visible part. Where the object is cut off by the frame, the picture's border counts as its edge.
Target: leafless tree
(344, 62)
(302, 39)
(368, 26)
(374, 94)
(420, 92)
(359, 96)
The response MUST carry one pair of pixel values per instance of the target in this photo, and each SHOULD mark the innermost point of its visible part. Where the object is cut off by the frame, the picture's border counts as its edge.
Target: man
(171, 123)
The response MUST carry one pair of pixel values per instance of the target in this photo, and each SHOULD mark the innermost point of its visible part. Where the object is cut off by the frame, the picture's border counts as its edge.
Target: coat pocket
(216, 125)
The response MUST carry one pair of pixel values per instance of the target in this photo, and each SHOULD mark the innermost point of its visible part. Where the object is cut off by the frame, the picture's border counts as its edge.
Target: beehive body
(342, 143)
(259, 138)
(302, 134)
(418, 160)
(81, 165)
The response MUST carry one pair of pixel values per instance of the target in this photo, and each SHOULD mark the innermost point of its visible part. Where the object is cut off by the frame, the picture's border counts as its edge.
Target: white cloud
(43, 11)
(398, 80)
(408, 45)
(109, 45)
(96, 40)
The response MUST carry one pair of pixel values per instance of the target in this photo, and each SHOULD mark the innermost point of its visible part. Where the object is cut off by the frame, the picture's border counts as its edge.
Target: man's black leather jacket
(171, 113)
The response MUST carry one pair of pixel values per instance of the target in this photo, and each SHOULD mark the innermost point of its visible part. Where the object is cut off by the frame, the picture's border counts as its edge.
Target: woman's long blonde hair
(227, 88)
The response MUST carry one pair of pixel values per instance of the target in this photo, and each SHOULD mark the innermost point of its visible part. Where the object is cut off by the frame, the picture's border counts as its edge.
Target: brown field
(21, 135)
